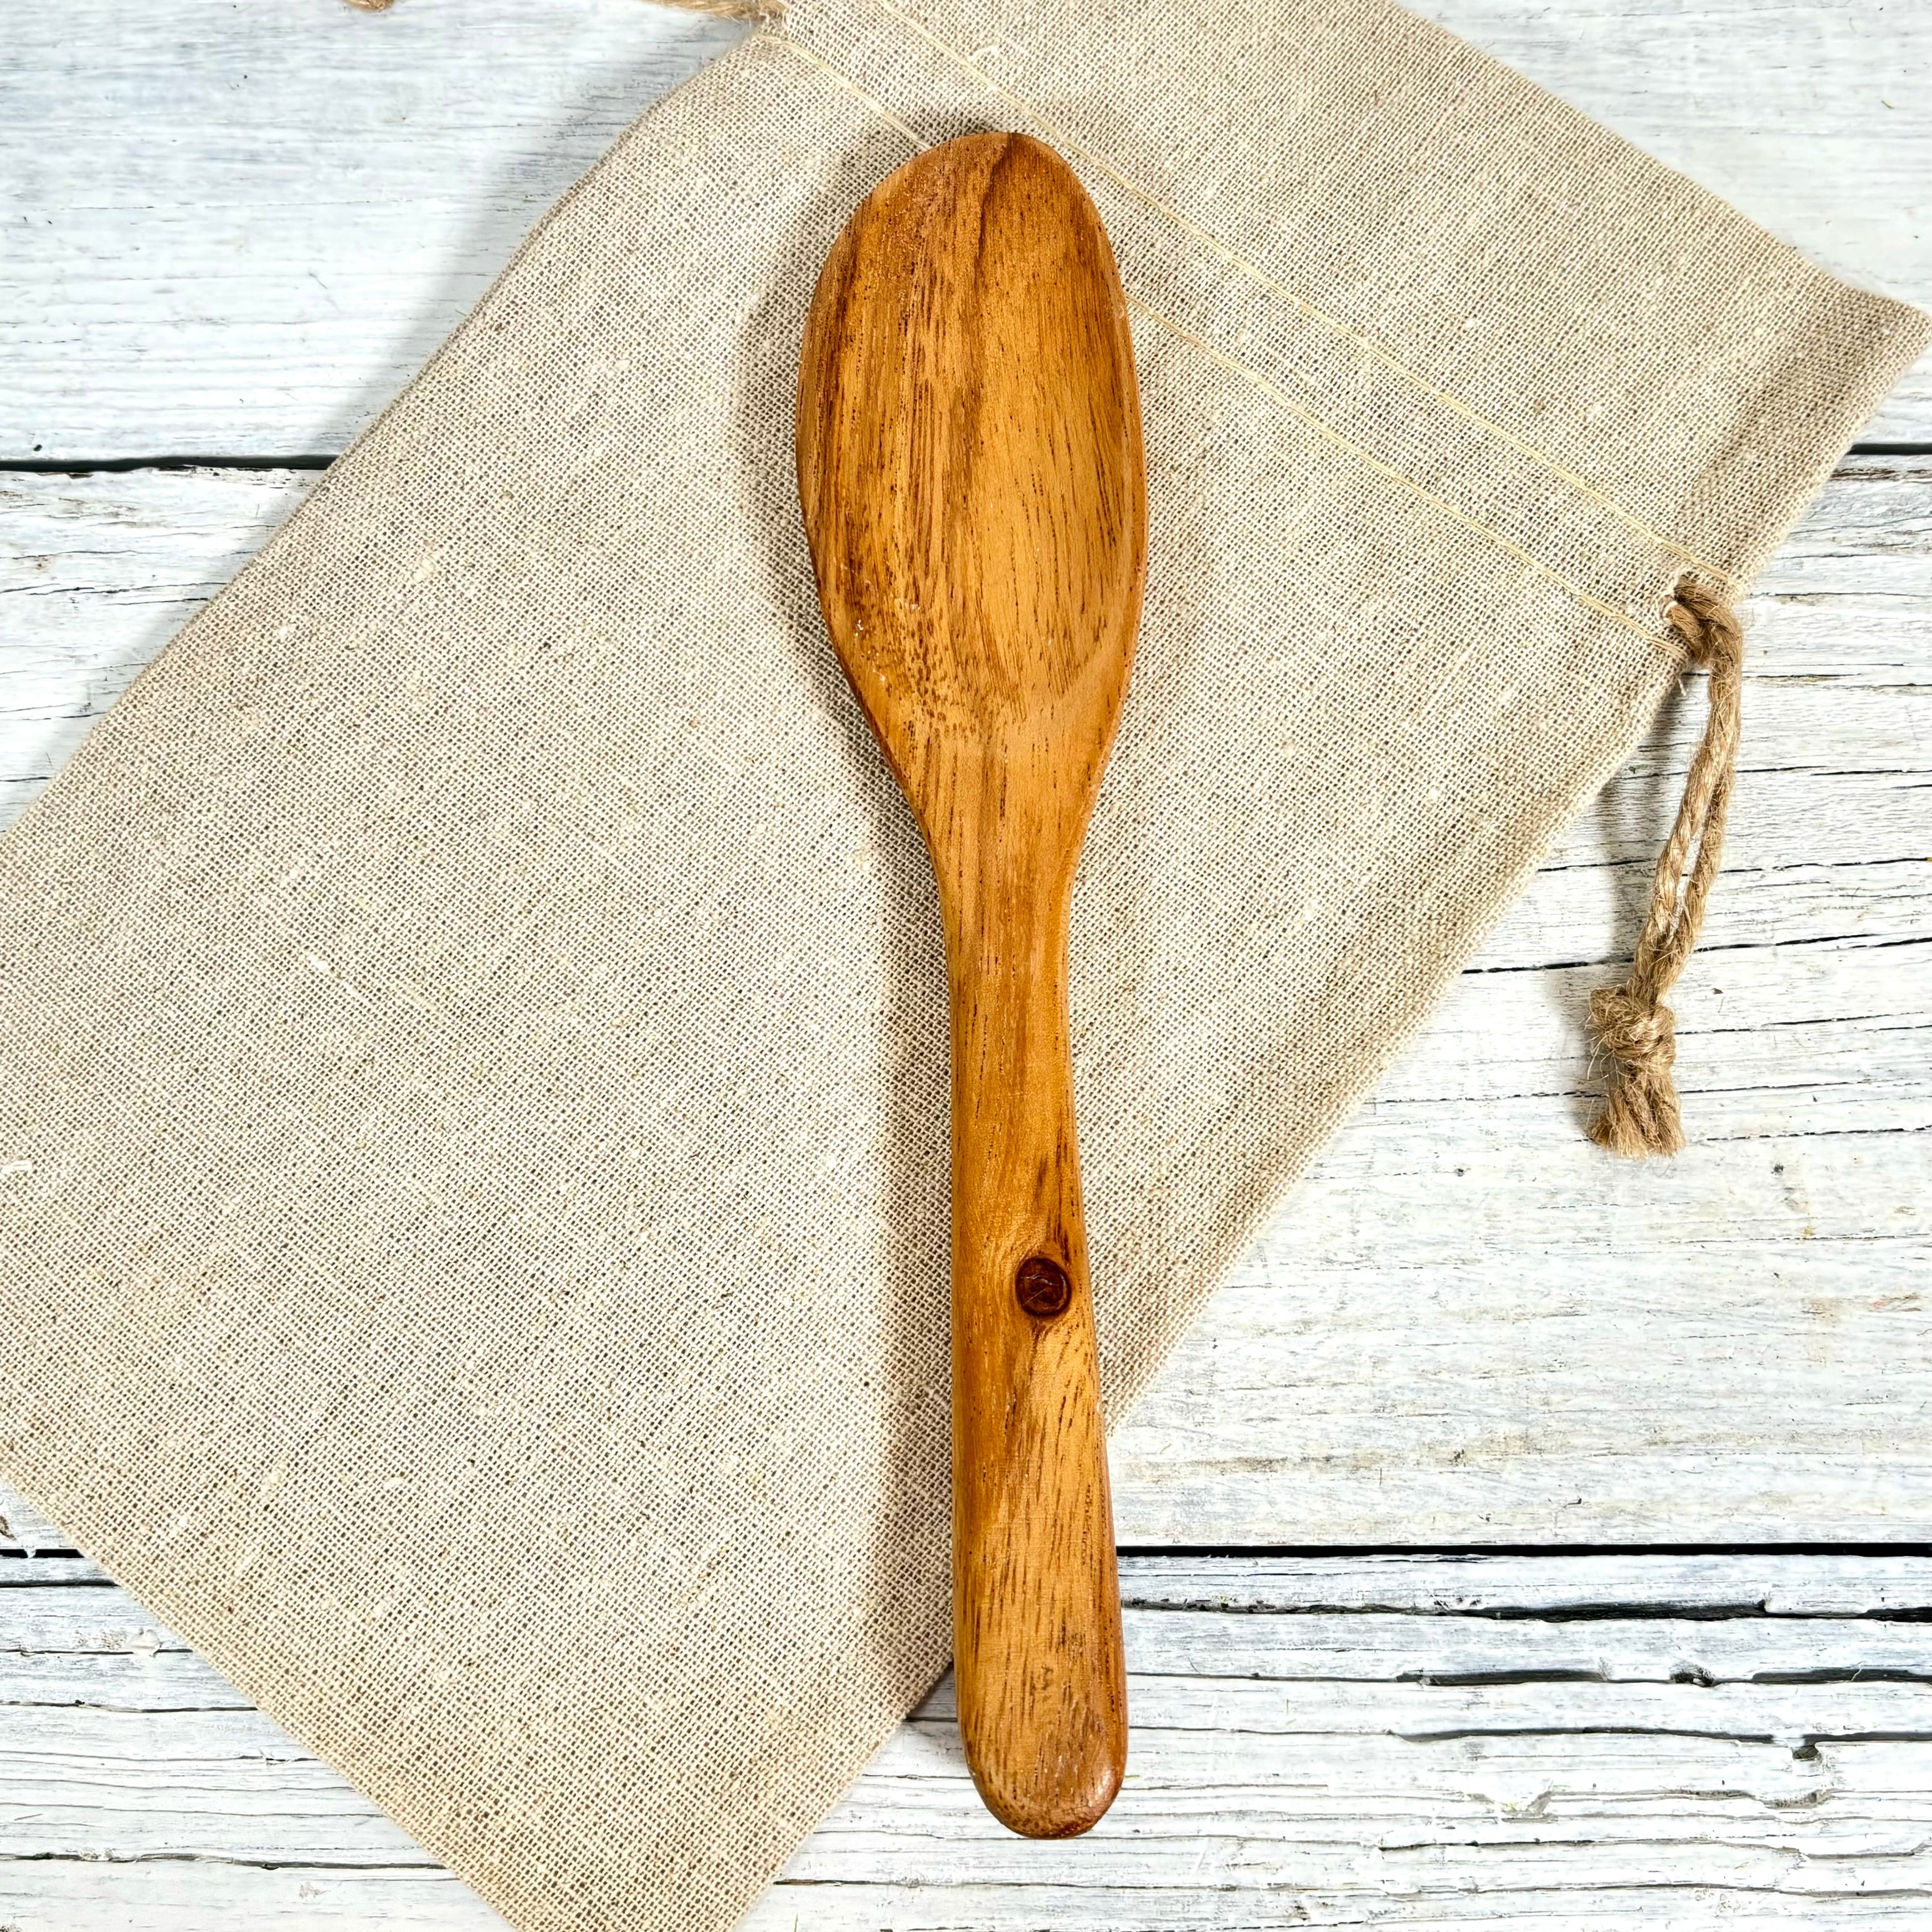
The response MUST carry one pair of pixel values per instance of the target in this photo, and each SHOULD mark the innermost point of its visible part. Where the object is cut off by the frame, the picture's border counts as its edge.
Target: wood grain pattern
(969, 463)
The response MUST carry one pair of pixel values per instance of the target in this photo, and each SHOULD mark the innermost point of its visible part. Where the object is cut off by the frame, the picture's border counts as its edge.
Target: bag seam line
(1267, 388)
(1345, 332)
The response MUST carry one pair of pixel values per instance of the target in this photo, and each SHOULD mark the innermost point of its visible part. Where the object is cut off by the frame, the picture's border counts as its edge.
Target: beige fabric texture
(473, 1177)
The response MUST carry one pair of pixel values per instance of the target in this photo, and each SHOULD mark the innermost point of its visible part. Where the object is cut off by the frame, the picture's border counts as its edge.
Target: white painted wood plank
(1350, 1741)
(196, 1895)
(240, 230)
(23, 1530)
(93, 1649)
(1467, 1325)
(1639, 1903)
(1557, 1586)
(96, 573)
(1702, 1588)
(1809, 116)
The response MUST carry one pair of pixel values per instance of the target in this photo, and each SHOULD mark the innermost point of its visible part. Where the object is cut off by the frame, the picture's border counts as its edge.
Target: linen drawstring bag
(473, 1040)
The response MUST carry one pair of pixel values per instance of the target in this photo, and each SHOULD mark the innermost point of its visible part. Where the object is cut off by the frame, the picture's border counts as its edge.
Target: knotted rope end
(1632, 1023)
(1640, 1116)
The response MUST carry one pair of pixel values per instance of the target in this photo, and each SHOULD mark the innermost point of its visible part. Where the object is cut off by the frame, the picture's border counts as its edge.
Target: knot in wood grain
(1041, 1288)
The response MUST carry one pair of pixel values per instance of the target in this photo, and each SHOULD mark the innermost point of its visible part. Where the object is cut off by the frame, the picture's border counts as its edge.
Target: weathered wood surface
(1415, 1741)
(238, 230)
(241, 230)
(1467, 1325)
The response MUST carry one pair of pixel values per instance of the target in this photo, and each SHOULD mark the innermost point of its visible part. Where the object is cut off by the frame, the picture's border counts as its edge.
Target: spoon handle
(1041, 1685)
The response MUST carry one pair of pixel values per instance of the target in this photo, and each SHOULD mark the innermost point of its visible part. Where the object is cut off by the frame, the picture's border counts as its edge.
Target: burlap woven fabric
(473, 1039)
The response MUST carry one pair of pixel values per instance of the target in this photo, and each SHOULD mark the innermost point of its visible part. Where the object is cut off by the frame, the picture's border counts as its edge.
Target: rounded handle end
(1066, 1787)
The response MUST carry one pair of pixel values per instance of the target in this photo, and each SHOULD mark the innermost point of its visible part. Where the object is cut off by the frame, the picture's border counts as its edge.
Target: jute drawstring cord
(1631, 1022)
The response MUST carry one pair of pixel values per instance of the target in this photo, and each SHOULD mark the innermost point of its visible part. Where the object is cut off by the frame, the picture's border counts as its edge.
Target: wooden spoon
(969, 458)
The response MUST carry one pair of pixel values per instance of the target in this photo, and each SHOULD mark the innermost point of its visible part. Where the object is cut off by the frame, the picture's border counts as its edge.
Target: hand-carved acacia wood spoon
(970, 461)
